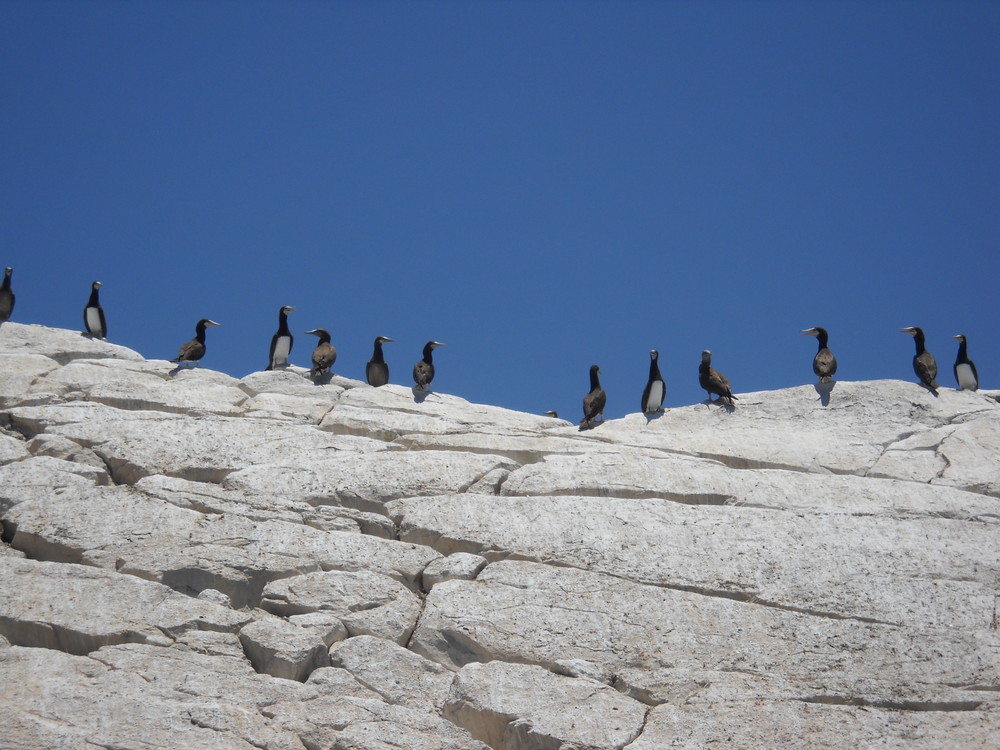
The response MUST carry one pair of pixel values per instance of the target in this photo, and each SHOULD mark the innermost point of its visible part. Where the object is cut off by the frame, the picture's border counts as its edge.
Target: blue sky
(540, 185)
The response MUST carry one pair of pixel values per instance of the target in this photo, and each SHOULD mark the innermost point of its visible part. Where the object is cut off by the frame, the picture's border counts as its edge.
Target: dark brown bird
(6, 296)
(924, 364)
(324, 355)
(594, 401)
(824, 363)
(714, 381)
(423, 371)
(194, 349)
(377, 371)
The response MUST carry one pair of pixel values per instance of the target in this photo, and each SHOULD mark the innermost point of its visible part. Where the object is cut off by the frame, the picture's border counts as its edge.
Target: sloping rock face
(192, 560)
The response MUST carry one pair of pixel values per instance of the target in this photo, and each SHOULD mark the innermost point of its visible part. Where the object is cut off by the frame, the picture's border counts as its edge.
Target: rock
(391, 411)
(327, 627)
(282, 649)
(190, 551)
(366, 724)
(458, 565)
(398, 675)
(142, 385)
(508, 612)
(918, 570)
(56, 700)
(367, 603)
(366, 481)
(78, 609)
(58, 344)
(12, 449)
(814, 567)
(524, 706)
(762, 725)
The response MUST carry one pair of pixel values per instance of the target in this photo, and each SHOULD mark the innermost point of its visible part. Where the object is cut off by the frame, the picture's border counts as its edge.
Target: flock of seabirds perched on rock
(377, 370)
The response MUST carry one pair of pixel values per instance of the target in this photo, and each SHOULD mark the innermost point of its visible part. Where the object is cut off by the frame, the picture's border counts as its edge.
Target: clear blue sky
(541, 185)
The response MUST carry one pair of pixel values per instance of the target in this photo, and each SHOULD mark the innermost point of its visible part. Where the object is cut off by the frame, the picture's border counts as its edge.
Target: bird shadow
(927, 387)
(179, 369)
(418, 395)
(654, 416)
(721, 403)
(589, 424)
(323, 379)
(824, 390)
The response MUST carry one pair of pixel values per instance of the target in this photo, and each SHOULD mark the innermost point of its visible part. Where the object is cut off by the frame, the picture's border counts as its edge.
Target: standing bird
(6, 296)
(965, 368)
(593, 402)
(281, 342)
(924, 363)
(656, 389)
(377, 371)
(93, 314)
(194, 349)
(824, 363)
(423, 371)
(714, 381)
(324, 355)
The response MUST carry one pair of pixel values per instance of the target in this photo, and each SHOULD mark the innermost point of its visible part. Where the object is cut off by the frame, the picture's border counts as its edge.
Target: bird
(924, 364)
(965, 368)
(423, 371)
(552, 413)
(714, 381)
(594, 401)
(324, 355)
(6, 296)
(281, 341)
(377, 371)
(824, 363)
(93, 314)
(194, 349)
(656, 389)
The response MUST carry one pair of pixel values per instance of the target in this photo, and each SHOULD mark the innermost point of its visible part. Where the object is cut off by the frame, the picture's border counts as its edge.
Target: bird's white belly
(965, 377)
(94, 321)
(655, 398)
(282, 348)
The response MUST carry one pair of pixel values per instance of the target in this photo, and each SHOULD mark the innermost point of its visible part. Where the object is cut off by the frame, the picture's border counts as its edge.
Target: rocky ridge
(195, 560)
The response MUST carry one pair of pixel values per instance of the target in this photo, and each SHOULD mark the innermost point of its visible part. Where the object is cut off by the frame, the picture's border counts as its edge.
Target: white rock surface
(194, 560)
(367, 603)
(523, 706)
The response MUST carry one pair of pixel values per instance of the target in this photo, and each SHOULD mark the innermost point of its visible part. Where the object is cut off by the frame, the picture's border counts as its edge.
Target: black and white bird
(377, 371)
(594, 401)
(924, 364)
(6, 296)
(324, 355)
(714, 381)
(552, 413)
(281, 341)
(965, 368)
(194, 349)
(656, 389)
(93, 314)
(423, 370)
(824, 363)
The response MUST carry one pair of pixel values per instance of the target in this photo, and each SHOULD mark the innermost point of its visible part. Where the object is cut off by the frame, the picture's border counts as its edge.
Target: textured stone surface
(192, 560)
(522, 706)
(367, 603)
(398, 675)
